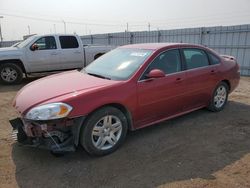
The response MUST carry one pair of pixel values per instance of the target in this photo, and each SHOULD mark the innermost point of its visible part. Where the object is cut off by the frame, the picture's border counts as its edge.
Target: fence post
(201, 35)
(92, 39)
(109, 39)
(131, 41)
(159, 36)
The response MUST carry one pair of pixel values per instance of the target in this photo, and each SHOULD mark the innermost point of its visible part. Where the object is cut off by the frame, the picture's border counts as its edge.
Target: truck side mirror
(34, 47)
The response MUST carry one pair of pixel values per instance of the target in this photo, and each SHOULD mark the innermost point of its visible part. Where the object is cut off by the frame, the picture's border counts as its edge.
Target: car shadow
(195, 145)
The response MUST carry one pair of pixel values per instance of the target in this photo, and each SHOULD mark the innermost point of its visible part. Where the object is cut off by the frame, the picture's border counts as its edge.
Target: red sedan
(131, 87)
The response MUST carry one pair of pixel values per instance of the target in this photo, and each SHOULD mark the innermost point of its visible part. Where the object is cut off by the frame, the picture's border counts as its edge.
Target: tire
(104, 131)
(57, 154)
(10, 73)
(219, 97)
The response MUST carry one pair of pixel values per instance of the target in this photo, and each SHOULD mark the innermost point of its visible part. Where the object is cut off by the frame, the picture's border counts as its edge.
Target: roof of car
(157, 46)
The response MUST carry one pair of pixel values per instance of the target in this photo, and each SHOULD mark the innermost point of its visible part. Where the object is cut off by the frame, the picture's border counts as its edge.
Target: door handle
(77, 52)
(178, 80)
(212, 72)
(54, 53)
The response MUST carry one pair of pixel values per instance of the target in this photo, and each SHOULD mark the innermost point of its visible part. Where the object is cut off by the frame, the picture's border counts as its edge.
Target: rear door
(162, 97)
(72, 52)
(201, 77)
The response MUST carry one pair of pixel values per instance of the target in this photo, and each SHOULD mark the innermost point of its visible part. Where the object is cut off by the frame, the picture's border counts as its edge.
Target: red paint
(148, 102)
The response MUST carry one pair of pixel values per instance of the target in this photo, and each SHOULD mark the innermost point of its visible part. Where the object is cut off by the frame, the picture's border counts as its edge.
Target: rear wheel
(104, 131)
(219, 98)
(10, 74)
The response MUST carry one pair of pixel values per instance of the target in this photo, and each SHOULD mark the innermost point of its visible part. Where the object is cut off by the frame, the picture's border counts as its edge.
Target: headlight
(49, 111)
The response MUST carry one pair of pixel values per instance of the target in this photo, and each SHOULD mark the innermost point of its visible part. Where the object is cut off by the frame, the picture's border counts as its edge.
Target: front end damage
(58, 136)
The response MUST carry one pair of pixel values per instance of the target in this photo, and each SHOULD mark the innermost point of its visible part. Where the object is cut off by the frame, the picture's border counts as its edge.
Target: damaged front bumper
(58, 136)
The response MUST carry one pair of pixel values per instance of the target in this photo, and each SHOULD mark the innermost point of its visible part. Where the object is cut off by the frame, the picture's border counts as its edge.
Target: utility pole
(28, 29)
(64, 23)
(1, 35)
(149, 27)
(127, 27)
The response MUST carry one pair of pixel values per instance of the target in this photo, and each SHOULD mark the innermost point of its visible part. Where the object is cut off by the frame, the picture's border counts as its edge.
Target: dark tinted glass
(68, 42)
(46, 43)
(169, 62)
(213, 59)
(195, 58)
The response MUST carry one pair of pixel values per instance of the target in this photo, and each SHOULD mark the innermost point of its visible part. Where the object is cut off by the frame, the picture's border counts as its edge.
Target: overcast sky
(103, 16)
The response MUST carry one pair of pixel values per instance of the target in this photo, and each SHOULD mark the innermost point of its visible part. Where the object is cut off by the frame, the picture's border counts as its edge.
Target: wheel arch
(14, 61)
(228, 84)
(120, 107)
(125, 111)
(98, 55)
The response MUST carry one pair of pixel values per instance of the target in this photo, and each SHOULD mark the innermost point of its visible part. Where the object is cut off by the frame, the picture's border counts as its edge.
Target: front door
(161, 97)
(45, 56)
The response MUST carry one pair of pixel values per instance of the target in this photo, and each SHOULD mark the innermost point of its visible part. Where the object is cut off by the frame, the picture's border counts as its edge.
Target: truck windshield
(25, 42)
(119, 64)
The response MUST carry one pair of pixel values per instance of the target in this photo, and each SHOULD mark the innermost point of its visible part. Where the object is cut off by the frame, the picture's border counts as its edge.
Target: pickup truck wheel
(104, 131)
(10, 74)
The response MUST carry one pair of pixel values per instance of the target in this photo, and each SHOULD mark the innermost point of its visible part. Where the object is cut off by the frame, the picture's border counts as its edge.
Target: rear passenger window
(213, 59)
(195, 58)
(68, 42)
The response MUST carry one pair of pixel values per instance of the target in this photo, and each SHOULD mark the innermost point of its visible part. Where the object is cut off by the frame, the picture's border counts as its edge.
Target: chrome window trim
(182, 71)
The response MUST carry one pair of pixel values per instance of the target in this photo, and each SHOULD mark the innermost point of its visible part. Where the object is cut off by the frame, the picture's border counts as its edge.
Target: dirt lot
(201, 149)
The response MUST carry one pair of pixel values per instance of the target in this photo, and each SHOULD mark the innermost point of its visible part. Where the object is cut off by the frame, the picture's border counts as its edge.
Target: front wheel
(10, 74)
(219, 98)
(104, 131)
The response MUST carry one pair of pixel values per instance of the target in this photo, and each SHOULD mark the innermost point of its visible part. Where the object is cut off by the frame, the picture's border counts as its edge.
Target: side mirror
(34, 47)
(156, 73)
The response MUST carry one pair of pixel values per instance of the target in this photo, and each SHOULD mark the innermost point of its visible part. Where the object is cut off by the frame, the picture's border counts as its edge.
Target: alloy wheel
(220, 96)
(106, 132)
(9, 74)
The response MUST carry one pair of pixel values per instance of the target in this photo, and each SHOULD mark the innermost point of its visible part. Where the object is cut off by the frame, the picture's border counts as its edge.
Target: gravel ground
(200, 149)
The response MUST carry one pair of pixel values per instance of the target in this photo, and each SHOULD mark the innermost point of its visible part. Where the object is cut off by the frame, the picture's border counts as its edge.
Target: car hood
(10, 52)
(51, 87)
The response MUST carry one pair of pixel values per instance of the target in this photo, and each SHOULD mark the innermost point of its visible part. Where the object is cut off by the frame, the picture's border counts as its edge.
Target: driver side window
(45, 43)
(169, 62)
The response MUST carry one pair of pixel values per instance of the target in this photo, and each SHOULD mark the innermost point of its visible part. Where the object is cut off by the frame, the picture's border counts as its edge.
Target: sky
(84, 17)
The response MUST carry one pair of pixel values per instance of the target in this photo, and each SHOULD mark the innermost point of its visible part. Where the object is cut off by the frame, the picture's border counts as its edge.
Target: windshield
(119, 64)
(25, 42)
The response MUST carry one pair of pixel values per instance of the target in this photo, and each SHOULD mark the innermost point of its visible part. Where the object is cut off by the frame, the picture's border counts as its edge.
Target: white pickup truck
(46, 53)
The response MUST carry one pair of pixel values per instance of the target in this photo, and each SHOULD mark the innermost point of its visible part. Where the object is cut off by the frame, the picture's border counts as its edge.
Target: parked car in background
(46, 53)
(128, 88)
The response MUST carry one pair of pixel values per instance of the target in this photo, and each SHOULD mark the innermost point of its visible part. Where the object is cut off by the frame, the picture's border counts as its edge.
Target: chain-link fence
(230, 40)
